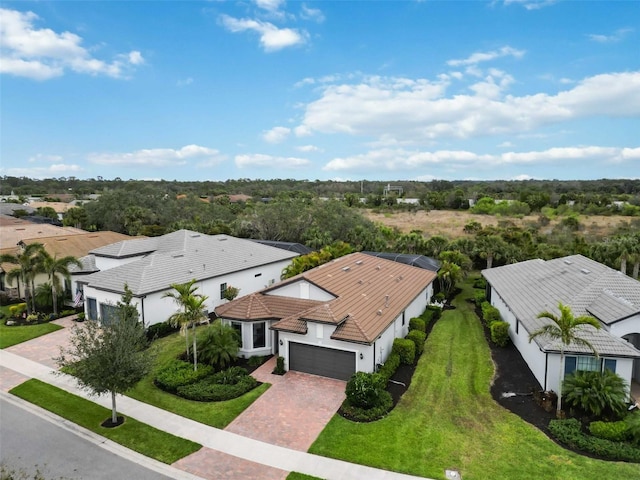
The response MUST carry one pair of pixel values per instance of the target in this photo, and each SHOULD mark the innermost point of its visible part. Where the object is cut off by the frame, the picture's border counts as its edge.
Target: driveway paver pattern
(47, 347)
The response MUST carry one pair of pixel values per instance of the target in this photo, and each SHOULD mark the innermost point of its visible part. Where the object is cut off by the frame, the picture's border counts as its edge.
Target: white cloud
(308, 148)
(269, 5)
(393, 160)
(479, 57)
(530, 4)
(522, 176)
(41, 53)
(272, 38)
(612, 38)
(269, 161)
(41, 157)
(309, 13)
(276, 134)
(419, 111)
(184, 82)
(54, 170)
(506, 144)
(159, 157)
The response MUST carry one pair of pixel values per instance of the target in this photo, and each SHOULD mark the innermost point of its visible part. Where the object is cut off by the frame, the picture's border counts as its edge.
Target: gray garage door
(326, 362)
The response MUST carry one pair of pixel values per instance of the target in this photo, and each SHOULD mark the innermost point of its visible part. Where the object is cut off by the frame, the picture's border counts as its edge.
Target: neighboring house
(66, 242)
(290, 246)
(59, 207)
(149, 266)
(335, 319)
(522, 290)
(412, 259)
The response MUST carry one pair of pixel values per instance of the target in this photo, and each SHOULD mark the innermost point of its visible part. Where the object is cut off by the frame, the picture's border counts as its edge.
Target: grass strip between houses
(448, 420)
(10, 336)
(138, 436)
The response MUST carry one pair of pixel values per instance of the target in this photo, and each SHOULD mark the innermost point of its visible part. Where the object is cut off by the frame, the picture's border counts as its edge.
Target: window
(108, 313)
(403, 319)
(259, 337)
(93, 309)
(237, 326)
(517, 326)
(588, 364)
(223, 288)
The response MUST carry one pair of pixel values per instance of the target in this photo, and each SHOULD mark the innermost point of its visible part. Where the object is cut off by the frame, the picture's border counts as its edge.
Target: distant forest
(323, 214)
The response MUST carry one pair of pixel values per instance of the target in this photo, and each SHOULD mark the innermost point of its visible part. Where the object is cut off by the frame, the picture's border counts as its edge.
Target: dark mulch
(108, 423)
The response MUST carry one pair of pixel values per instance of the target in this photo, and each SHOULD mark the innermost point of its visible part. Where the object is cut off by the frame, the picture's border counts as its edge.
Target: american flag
(77, 300)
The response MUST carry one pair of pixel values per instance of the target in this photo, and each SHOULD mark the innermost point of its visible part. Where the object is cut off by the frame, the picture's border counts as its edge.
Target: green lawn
(447, 419)
(13, 335)
(215, 414)
(132, 434)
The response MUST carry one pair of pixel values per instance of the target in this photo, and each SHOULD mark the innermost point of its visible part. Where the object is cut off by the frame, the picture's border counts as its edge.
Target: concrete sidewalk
(222, 441)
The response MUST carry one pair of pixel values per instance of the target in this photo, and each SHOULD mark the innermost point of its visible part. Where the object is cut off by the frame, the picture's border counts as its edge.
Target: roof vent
(346, 269)
(378, 267)
(568, 262)
(379, 312)
(223, 239)
(178, 255)
(585, 271)
(195, 235)
(358, 262)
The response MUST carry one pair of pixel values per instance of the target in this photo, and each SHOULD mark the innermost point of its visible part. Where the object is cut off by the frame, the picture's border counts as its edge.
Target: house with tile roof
(335, 319)
(522, 290)
(150, 265)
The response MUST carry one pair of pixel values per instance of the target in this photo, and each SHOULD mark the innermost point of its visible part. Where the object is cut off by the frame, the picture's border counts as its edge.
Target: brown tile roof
(58, 207)
(263, 307)
(370, 293)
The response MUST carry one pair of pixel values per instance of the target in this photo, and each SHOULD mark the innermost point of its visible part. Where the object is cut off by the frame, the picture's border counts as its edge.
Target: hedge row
(498, 329)
(406, 349)
(159, 330)
(216, 389)
(570, 433)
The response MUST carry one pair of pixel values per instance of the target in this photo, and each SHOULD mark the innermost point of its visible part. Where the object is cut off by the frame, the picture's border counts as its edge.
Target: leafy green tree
(566, 328)
(603, 394)
(219, 345)
(26, 270)
(55, 268)
(448, 275)
(490, 247)
(75, 217)
(109, 358)
(192, 307)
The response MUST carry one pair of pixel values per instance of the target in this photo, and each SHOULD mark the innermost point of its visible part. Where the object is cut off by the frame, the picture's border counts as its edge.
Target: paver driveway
(47, 347)
(293, 411)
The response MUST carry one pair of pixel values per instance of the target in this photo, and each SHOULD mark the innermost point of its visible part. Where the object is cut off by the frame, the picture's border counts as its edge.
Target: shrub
(385, 404)
(633, 427)
(80, 317)
(439, 297)
(418, 338)
(405, 349)
(569, 432)
(364, 390)
(67, 313)
(500, 333)
(490, 314)
(480, 283)
(390, 366)
(431, 314)
(219, 345)
(17, 309)
(279, 370)
(159, 330)
(256, 361)
(614, 431)
(417, 323)
(213, 388)
(596, 393)
(32, 318)
(479, 297)
(178, 373)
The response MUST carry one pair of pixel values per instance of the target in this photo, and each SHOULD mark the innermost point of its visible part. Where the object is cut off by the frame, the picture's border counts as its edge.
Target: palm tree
(26, 269)
(565, 328)
(490, 247)
(219, 346)
(192, 311)
(56, 267)
(449, 274)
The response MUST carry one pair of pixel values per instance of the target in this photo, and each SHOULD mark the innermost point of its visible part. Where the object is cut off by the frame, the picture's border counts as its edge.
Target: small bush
(633, 427)
(364, 389)
(500, 333)
(279, 370)
(601, 394)
(32, 318)
(614, 431)
(67, 313)
(417, 323)
(178, 373)
(480, 283)
(570, 433)
(390, 366)
(212, 388)
(439, 297)
(385, 404)
(418, 338)
(479, 297)
(431, 314)
(159, 330)
(256, 361)
(490, 314)
(405, 349)
(17, 309)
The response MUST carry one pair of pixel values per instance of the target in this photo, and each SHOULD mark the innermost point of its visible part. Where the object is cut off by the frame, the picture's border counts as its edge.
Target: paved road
(27, 440)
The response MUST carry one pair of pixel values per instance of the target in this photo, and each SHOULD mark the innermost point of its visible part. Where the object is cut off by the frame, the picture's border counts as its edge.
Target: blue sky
(347, 90)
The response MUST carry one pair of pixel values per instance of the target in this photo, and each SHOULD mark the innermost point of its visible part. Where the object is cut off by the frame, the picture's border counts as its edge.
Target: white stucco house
(522, 290)
(150, 265)
(334, 320)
